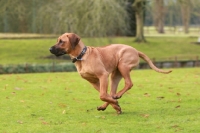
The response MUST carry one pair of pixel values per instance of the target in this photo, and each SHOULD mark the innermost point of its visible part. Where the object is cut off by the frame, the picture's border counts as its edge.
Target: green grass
(63, 102)
(25, 35)
(20, 51)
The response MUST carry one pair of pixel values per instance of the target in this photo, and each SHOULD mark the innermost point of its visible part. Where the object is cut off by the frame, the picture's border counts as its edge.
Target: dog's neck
(77, 50)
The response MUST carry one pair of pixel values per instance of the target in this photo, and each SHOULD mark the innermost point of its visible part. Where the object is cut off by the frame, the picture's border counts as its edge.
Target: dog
(95, 64)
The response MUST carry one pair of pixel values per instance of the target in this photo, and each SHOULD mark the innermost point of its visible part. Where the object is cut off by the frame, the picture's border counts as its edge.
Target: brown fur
(99, 62)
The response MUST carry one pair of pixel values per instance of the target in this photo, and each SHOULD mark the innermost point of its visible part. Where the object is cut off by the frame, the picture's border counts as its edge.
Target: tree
(131, 18)
(4, 11)
(139, 6)
(15, 15)
(86, 18)
(185, 13)
(159, 15)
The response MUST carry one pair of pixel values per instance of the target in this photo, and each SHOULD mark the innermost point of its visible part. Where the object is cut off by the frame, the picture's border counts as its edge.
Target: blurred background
(98, 17)
(137, 20)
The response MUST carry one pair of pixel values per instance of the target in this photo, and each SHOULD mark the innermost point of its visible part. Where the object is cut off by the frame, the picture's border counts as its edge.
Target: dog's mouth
(56, 51)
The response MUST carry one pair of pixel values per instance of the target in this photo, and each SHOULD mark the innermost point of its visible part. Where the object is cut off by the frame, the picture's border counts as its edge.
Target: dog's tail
(147, 59)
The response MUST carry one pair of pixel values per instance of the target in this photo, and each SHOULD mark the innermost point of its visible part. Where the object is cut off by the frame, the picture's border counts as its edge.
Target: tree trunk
(33, 23)
(139, 14)
(5, 22)
(139, 27)
(185, 11)
(159, 13)
(161, 17)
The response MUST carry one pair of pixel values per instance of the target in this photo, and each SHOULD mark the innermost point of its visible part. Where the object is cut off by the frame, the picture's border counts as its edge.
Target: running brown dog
(95, 64)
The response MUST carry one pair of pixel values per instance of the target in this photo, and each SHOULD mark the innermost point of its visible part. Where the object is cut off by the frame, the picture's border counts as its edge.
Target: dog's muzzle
(57, 51)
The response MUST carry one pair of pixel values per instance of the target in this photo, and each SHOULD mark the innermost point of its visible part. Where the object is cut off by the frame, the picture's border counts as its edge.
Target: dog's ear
(73, 39)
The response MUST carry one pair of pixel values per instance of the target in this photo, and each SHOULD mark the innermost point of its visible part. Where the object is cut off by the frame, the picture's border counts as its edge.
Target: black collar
(79, 57)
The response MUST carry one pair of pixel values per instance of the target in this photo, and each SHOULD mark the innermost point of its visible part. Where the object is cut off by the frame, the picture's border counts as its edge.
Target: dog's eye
(60, 41)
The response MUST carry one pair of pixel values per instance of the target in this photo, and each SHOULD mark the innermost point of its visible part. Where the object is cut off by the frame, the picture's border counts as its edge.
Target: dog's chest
(89, 77)
(86, 73)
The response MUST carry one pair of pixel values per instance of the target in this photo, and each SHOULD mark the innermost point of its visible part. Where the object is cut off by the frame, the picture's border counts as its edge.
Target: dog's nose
(50, 49)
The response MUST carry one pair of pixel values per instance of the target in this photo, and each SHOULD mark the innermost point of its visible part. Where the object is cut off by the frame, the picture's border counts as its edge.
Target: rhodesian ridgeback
(95, 64)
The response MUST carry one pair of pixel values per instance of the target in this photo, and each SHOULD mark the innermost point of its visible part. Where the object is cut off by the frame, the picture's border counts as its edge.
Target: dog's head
(65, 44)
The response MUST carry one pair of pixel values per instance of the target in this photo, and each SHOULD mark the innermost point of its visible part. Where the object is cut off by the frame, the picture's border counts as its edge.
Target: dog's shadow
(113, 112)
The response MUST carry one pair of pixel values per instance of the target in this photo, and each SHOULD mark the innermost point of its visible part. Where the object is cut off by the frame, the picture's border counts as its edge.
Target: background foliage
(50, 16)
(91, 17)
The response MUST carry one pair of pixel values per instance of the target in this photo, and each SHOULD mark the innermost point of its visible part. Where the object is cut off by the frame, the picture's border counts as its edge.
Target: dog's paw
(116, 97)
(119, 112)
(101, 108)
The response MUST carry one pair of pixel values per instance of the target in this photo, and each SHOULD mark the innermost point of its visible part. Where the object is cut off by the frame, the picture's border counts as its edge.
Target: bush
(37, 68)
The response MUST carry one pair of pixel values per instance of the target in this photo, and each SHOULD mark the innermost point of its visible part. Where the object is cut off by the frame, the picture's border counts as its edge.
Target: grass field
(21, 51)
(63, 102)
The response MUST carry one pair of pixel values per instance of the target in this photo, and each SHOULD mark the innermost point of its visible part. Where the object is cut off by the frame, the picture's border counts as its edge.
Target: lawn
(21, 51)
(63, 102)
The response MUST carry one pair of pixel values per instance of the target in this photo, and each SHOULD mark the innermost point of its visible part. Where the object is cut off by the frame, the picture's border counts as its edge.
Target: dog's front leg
(103, 89)
(96, 85)
(104, 95)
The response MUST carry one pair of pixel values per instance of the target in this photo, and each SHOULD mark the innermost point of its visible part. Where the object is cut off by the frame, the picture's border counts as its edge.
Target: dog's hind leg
(125, 72)
(115, 78)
